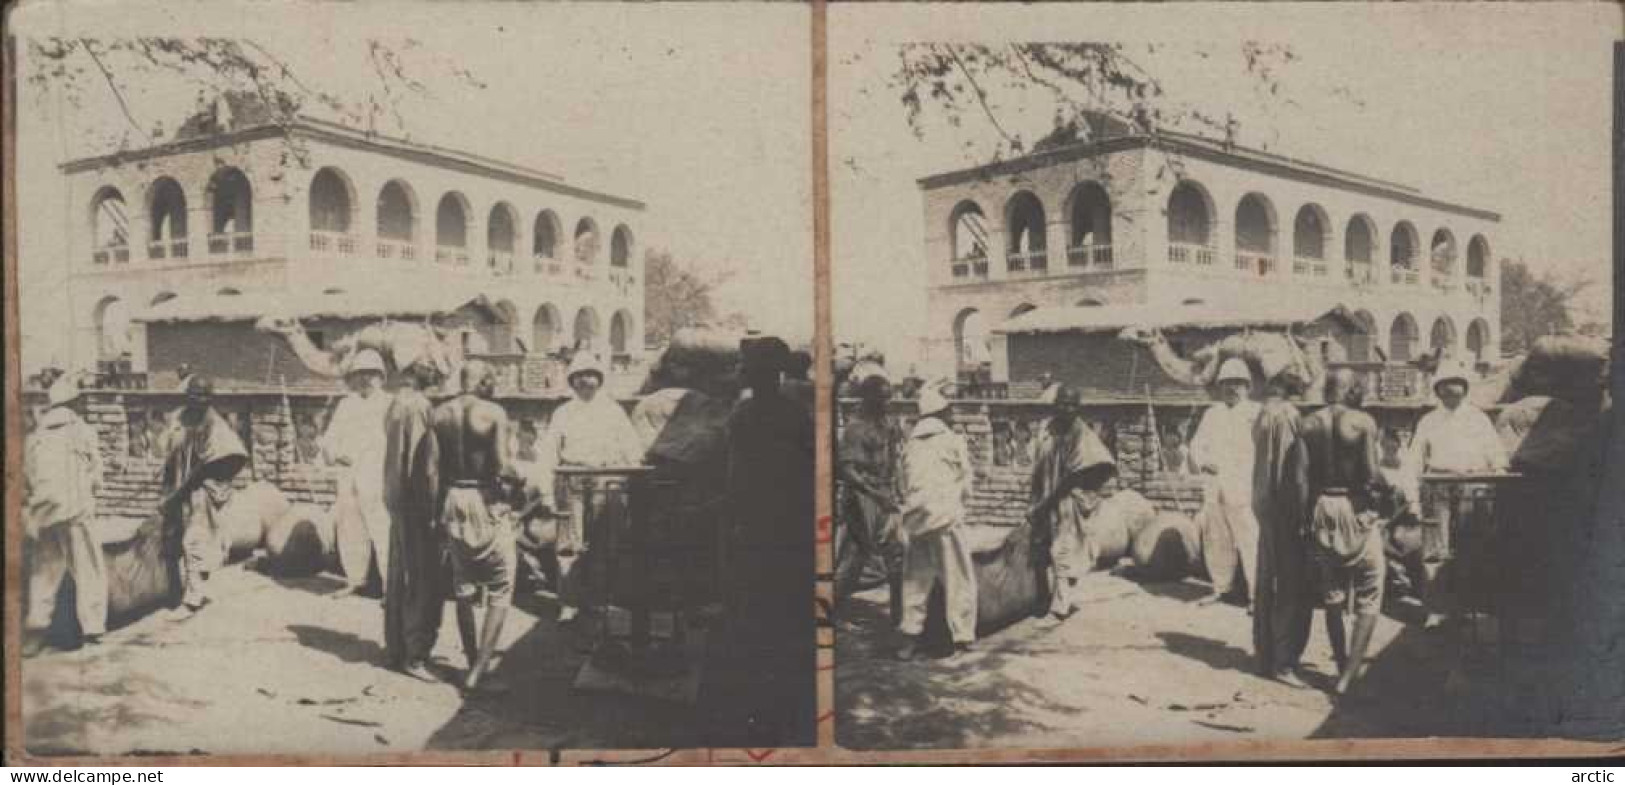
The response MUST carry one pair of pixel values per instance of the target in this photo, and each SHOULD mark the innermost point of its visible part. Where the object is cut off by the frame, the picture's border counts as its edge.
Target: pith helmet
(1452, 372)
(1234, 369)
(931, 401)
(63, 391)
(584, 362)
(367, 360)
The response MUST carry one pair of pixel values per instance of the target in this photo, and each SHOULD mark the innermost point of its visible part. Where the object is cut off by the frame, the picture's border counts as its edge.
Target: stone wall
(1001, 434)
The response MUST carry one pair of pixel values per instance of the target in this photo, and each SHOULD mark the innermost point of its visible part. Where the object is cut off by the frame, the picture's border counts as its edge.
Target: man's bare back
(472, 434)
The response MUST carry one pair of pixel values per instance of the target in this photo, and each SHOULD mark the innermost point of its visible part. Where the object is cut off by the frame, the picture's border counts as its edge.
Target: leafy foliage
(1533, 305)
(1097, 89)
(677, 296)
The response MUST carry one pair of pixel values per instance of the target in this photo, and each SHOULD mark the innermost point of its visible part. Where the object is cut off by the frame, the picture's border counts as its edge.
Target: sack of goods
(1267, 354)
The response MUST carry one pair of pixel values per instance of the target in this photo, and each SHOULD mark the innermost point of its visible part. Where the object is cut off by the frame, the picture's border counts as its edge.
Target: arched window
(1478, 256)
(544, 327)
(332, 201)
(620, 247)
(968, 242)
(167, 215)
(1359, 244)
(1190, 224)
(1402, 338)
(499, 237)
(587, 241)
(397, 221)
(162, 297)
(1021, 309)
(586, 330)
(231, 212)
(109, 227)
(1362, 337)
(971, 341)
(1309, 232)
(620, 333)
(112, 320)
(544, 238)
(1089, 240)
(1478, 340)
(1024, 233)
(1443, 252)
(451, 229)
(1402, 245)
(1442, 338)
(1255, 235)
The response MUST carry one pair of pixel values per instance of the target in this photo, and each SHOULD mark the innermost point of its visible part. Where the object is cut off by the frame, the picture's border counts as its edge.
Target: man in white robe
(1223, 452)
(356, 442)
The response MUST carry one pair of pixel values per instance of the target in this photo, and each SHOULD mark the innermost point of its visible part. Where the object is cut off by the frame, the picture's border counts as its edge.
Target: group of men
(1317, 499)
(437, 489)
(1303, 502)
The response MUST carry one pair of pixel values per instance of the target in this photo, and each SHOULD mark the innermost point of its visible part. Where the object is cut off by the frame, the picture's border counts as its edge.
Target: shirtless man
(472, 433)
(1339, 456)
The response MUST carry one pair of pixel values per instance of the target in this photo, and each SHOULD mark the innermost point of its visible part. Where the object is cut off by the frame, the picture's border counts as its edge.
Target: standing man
(204, 455)
(472, 433)
(1283, 611)
(1222, 449)
(591, 430)
(936, 477)
(62, 472)
(355, 441)
(414, 596)
(769, 549)
(1069, 467)
(867, 456)
(1456, 437)
(1339, 456)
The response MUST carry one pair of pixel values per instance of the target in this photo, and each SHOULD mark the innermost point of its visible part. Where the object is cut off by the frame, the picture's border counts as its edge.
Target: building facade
(1176, 220)
(310, 208)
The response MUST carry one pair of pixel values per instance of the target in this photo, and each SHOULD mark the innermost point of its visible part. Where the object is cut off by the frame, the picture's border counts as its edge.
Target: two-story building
(302, 210)
(1176, 221)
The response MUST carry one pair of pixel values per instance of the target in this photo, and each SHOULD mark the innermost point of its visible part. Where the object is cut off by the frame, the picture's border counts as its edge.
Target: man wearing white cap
(936, 477)
(356, 442)
(591, 430)
(1222, 449)
(62, 472)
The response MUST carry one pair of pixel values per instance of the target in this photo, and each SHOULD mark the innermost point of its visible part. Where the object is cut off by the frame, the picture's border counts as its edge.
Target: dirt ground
(1143, 663)
(284, 666)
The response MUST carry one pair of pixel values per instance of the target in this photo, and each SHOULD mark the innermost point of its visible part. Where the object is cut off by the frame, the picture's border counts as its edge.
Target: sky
(702, 112)
(1501, 106)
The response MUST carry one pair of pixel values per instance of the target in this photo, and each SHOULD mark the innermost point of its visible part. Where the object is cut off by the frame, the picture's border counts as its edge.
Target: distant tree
(676, 296)
(1535, 305)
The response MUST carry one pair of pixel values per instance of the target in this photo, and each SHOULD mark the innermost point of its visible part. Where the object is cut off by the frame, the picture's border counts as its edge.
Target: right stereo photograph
(1220, 375)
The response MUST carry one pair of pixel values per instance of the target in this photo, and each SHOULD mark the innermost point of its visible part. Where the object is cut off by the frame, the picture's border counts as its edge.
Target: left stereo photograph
(412, 378)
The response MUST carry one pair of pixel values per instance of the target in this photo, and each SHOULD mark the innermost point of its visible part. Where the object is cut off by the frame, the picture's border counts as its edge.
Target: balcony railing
(971, 267)
(1255, 262)
(1310, 266)
(111, 253)
(1359, 273)
(1190, 253)
(1035, 261)
(547, 265)
(231, 243)
(1478, 287)
(501, 262)
(325, 242)
(1405, 277)
(397, 249)
(1098, 255)
(1444, 283)
(451, 254)
(585, 272)
(177, 248)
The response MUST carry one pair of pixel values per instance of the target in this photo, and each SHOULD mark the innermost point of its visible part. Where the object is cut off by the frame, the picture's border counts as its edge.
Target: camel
(391, 339)
(1268, 352)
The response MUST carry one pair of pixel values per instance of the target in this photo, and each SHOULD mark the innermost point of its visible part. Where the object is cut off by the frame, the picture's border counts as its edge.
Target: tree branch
(113, 86)
(981, 97)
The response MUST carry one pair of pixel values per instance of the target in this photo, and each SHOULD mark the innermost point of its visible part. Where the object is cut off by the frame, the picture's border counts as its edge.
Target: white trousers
(942, 556)
(62, 550)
